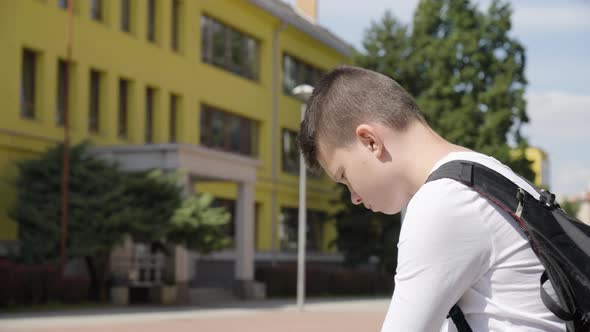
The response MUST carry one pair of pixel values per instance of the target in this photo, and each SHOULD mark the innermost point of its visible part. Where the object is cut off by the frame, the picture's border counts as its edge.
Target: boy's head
(349, 108)
(345, 98)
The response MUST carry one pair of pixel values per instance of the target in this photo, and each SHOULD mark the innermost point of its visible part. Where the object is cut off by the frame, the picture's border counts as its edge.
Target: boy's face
(366, 167)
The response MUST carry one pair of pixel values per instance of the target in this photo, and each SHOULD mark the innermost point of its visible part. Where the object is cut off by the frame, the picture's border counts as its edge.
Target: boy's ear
(370, 138)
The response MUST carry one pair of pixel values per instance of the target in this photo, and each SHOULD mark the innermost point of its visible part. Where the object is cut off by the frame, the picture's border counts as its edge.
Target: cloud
(551, 18)
(350, 18)
(564, 115)
(374, 9)
(560, 125)
(575, 176)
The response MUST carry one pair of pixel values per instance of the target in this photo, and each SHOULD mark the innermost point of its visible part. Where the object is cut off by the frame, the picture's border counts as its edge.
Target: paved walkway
(319, 315)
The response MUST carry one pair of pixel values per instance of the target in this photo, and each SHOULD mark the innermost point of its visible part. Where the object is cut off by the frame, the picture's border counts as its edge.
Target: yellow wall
(539, 161)
(40, 25)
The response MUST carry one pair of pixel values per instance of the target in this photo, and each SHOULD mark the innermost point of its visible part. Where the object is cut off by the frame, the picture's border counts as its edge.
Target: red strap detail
(520, 222)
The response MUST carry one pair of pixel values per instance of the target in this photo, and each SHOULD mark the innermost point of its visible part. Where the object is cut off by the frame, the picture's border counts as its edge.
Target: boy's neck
(425, 149)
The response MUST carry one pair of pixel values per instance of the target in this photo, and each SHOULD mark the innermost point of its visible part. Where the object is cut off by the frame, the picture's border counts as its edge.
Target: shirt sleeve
(444, 248)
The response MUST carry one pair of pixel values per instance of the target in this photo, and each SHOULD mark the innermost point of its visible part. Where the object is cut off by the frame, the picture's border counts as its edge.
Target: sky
(556, 35)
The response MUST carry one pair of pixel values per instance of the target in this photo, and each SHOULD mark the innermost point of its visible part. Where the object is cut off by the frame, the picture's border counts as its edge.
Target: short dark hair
(345, 98)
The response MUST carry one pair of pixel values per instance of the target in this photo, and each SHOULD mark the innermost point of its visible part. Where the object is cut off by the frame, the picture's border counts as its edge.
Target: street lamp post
(302, 92)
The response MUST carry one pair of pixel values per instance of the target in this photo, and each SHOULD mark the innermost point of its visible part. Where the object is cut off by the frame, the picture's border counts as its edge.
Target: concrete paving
(319, 315)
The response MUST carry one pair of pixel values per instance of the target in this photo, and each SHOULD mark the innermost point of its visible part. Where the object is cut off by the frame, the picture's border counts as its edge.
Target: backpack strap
(550, 302)
(512, 199)
(456, 314)
(481, 179)
(493, 186)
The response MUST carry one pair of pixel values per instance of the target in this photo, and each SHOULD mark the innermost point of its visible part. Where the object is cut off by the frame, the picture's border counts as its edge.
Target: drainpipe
(275, 137)
(66, 148)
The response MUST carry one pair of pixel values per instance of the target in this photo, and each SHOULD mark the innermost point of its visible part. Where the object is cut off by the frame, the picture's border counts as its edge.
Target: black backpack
(561, 242)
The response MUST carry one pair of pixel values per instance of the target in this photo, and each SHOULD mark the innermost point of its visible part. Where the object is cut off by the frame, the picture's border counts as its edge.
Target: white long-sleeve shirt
(455, 246)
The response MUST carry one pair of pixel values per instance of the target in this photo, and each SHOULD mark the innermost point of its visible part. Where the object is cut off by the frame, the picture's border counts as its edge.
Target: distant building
(584, 207)
(539, 165)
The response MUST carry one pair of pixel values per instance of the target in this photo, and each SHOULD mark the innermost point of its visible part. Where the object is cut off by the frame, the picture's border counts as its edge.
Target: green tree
(98, 213)
(463, 68)
(467, 75)
(154, 197)
(363, 234)
(570, 207)
(105, 204)
(199, 226)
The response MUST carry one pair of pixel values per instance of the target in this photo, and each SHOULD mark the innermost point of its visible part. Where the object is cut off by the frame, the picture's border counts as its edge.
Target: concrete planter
(168, 294)
(164, 294)
(250, 289)
(120, 295)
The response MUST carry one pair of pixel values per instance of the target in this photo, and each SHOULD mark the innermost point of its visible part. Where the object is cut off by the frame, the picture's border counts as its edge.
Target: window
(228, 48)
(174, 104)
(63, 4)
(237, 58)
(125, 15)
(63, 90)
(149, 114)
(95, 90)
(96, 10)
(218, 44)
(228, 132)
(296, 72)
(28, 88)
(230, 228)
(151, 24)
(206, 37)
(176, 10)
(123, 129)
(251, 63)
(289, 229)
(290, 155)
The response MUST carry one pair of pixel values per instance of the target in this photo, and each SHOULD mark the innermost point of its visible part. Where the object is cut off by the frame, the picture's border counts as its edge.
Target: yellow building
(539, 165)
(200, 85)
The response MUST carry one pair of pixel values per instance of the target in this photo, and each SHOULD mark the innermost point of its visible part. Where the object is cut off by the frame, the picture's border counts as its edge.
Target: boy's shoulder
(439, 199)
(448, 189)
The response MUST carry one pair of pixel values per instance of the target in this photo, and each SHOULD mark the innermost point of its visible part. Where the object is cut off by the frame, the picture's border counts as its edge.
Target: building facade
(201, 85)
(539, 165)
